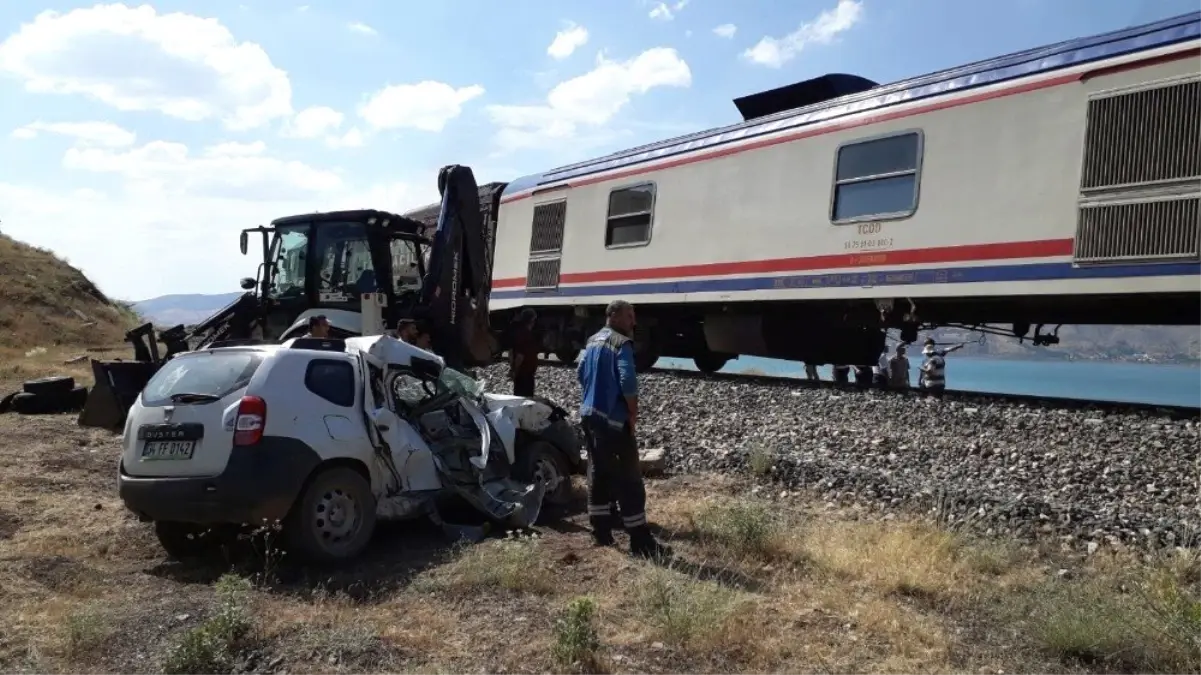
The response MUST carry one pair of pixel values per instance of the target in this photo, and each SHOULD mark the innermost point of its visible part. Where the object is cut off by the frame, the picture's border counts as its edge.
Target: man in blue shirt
(609, 415)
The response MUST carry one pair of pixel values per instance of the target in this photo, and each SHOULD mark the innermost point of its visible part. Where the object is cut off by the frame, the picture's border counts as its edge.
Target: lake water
(1094, 380)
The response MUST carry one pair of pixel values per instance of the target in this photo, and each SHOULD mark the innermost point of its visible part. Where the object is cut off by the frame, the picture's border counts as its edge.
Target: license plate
(164, 450)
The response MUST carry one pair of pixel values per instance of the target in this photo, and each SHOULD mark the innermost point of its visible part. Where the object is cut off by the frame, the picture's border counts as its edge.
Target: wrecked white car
(326, 436)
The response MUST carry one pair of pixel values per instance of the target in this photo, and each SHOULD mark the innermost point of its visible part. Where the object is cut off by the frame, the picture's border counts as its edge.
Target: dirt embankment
(51, 313)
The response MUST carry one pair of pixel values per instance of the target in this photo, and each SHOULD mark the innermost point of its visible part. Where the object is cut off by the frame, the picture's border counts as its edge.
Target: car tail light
(252, 417)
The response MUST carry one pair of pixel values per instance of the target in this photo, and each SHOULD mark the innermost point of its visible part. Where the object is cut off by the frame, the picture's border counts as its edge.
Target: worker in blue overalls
(609, 415)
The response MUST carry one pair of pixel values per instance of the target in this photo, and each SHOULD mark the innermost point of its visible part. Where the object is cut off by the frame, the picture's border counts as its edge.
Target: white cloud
(314, 122)
(90, 133)
(775, 52)
(226, 170)
(350, 139)
(360, 27)
(726, 30)
(662, 11)
(427, 105)
(130, 58)
(325, 123)
(589, 100)
(171, 225)
(566, 41)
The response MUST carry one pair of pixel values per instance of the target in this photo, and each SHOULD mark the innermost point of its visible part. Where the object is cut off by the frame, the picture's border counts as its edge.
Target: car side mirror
(244, 242)
(247, 284)
(424, 367)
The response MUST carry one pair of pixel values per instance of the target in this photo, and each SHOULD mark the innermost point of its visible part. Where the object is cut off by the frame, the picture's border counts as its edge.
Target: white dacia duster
(326, 436)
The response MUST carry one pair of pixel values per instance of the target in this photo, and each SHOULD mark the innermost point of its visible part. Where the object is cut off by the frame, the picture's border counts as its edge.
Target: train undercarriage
(847, 332)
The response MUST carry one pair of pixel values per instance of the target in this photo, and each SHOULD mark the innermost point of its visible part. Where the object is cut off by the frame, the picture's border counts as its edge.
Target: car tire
(50, 386)
(313, 535)
(538, 458)
(49, 402)
(185, 541)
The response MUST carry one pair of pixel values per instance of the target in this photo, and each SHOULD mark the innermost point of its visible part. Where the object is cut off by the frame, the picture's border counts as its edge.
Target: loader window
(877, 179)
(405, 271)
(344, 262)
(288, 251)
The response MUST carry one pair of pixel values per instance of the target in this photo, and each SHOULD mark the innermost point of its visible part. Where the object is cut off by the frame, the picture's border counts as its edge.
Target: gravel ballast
(1128, 478)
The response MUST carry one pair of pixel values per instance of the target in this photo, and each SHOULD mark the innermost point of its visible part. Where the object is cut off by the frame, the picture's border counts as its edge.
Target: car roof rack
(248, 342)
(319, 344)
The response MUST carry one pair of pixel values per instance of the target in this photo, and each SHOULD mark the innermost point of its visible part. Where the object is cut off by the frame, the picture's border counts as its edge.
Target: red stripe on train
(944, 254)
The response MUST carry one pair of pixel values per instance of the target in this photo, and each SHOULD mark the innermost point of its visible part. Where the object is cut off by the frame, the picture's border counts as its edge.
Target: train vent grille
(546, 246)
(1164, 230)
(1142, 137)
(542, 274)
(546, 236)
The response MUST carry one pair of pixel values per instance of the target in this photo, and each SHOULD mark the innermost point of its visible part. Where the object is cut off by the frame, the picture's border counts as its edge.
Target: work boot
(602, 531)
(644, 545)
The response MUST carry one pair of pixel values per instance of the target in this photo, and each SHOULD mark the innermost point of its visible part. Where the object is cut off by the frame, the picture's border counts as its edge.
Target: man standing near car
(318, 327)
(609, 415)
(523, 358)
(414, 333)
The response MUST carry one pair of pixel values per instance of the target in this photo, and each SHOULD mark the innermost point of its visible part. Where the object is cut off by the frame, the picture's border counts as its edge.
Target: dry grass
(45, 302)
(757, 585)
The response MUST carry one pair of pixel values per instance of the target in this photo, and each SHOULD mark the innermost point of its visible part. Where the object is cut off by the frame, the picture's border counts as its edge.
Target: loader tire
(58, 384)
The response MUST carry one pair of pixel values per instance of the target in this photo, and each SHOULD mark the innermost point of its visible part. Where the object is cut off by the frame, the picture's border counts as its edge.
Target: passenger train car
(1056, 185)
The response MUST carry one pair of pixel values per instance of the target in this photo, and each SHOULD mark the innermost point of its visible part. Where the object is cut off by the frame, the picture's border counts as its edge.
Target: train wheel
(567, 354)
(710, 363)
(646, 359)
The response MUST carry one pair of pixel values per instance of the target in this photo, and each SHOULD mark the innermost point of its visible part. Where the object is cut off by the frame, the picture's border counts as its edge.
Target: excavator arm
(457, 282)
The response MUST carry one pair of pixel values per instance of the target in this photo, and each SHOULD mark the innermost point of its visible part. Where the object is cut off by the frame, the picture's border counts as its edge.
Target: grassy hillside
(47, 309)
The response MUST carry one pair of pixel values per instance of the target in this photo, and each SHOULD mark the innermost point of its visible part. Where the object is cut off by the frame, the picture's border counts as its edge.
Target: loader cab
(327, 261)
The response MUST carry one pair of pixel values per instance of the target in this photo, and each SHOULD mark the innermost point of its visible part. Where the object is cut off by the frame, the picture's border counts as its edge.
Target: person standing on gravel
(934, 369)
(898, 370)
(523, 358)
(609, 415)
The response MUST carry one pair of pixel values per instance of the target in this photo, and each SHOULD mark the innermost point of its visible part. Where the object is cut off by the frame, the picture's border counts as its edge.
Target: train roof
(981, 73)
(428, 215)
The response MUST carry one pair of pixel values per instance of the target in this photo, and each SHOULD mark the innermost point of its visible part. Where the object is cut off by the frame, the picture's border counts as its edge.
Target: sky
(137, 140)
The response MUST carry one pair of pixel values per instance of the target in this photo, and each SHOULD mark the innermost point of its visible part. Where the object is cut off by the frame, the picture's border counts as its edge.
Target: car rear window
(216, 373)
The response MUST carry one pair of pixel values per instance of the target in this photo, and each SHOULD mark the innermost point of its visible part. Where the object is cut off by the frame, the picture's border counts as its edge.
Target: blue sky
(138, 139)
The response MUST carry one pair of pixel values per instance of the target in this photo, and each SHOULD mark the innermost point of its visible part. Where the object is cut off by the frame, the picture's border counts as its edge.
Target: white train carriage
(1057, 185)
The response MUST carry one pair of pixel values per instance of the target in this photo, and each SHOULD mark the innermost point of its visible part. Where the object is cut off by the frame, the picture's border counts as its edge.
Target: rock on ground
(1020, 469)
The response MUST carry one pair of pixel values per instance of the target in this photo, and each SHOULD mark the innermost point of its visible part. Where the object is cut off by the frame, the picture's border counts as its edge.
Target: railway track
(1176, 412)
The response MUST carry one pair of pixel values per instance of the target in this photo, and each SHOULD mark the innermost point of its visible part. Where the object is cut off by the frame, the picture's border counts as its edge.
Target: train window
(631, 210)
(877, 179)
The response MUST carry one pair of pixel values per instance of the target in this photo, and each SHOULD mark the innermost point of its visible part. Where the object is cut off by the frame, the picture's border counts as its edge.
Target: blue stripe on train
(944, 275)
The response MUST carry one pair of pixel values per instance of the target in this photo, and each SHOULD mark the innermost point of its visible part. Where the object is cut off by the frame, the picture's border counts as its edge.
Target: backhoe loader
(433, 268)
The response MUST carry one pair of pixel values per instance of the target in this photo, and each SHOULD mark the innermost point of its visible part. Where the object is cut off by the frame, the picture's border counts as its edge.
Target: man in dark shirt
(523, 357)
(318, 327)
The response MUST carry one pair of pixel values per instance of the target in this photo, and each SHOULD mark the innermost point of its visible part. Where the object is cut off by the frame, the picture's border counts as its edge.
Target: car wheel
(541, 461)
(182, 541)
(335, 517)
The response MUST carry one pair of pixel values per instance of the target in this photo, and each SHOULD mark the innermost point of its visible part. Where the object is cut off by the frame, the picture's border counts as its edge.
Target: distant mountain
(169, 310)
